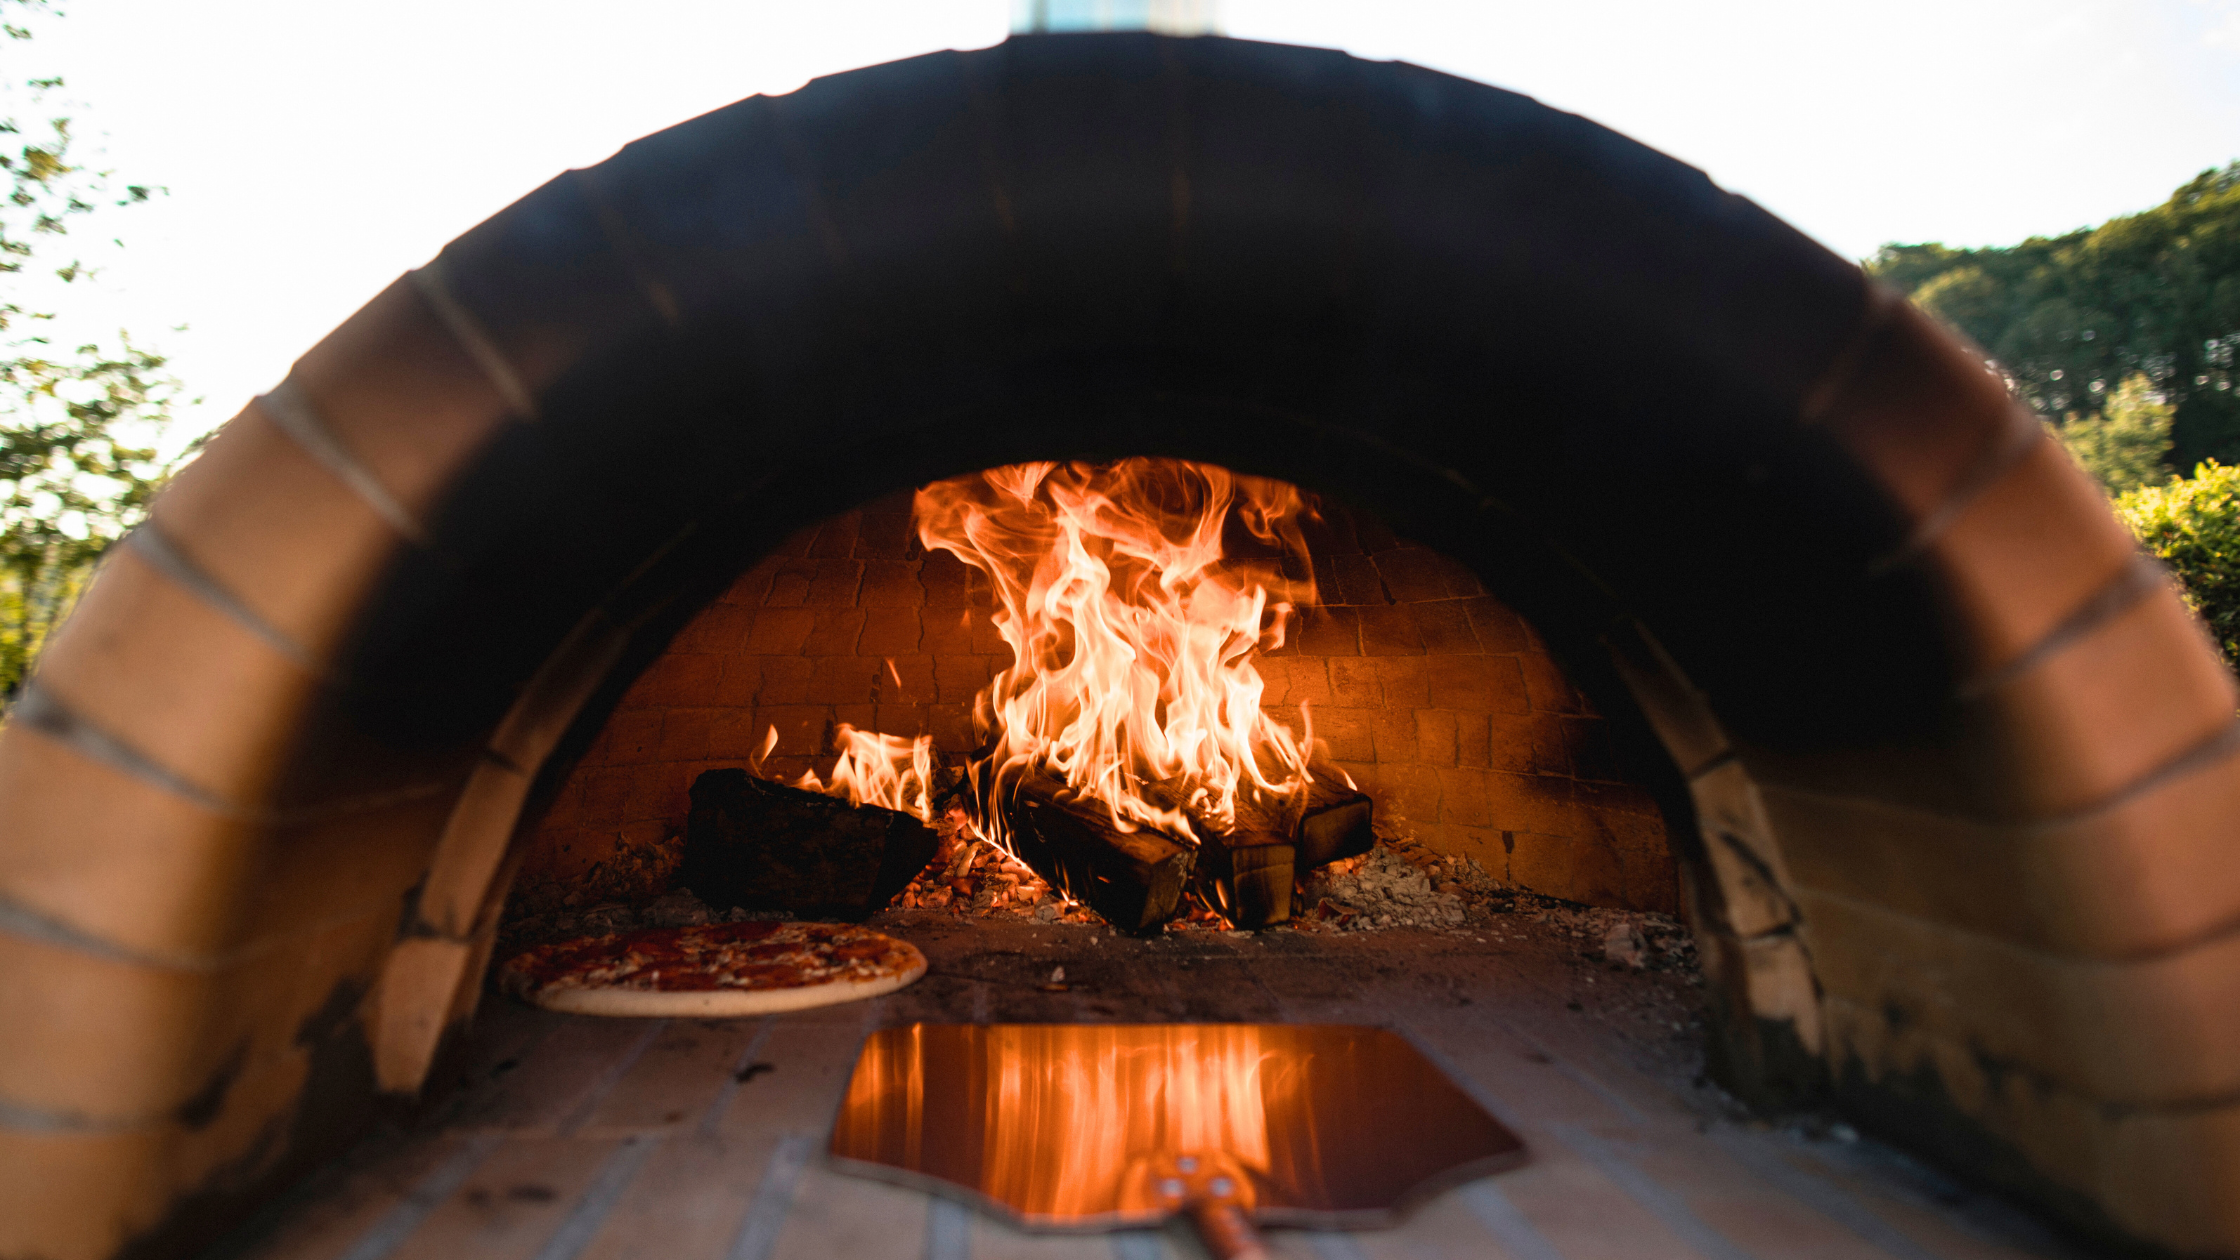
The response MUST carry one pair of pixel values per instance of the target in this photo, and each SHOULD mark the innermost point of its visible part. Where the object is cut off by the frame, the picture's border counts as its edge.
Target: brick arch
(1962, 762)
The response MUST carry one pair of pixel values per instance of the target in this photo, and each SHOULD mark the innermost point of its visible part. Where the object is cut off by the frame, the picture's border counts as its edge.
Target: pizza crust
(721, 1003)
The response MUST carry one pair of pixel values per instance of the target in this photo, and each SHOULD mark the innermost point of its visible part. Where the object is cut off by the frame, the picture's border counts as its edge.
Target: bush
(2124, 444)
(2193, 524)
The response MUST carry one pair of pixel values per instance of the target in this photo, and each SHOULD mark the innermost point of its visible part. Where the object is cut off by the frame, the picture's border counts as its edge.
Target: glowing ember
(1133, 625)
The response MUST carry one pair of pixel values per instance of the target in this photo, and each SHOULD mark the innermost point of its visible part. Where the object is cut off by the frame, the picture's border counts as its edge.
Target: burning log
(1336, 825)
(765, 846)
(1135, 879)
(1250, 875)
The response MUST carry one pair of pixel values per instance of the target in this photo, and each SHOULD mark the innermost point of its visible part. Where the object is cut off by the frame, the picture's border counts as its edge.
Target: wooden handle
(1226, 1231)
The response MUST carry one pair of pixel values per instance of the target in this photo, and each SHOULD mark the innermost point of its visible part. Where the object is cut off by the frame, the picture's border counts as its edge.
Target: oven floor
(574, 1137)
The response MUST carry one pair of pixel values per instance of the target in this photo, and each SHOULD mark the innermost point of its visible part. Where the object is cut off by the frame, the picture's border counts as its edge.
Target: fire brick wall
(1437, 699)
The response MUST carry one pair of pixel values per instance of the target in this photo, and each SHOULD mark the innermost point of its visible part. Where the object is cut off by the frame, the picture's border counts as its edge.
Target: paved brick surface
(571, 1137)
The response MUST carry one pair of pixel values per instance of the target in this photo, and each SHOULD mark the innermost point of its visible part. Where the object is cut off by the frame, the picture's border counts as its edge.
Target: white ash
(1388, 890)
(1626, 945)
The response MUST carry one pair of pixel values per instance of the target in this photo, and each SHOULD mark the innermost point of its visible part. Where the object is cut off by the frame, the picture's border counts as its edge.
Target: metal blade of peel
(1087, 1127)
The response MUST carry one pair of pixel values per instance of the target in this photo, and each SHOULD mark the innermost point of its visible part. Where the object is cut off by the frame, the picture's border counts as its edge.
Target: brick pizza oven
(1944, 766)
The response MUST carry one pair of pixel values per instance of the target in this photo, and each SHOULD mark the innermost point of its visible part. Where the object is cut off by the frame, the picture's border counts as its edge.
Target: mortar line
(1662, 1203)
(291, 412)
(591, 1210)
(399, 1222)
(734, 1080)
(773, 1198)
(609, 1078)
(1510, 1227)
(1821, 1195)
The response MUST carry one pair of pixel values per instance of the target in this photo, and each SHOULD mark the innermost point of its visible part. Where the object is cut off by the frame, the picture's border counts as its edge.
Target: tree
(2193, 524)
(77, 464)
(2069, 317)
(2125, 446)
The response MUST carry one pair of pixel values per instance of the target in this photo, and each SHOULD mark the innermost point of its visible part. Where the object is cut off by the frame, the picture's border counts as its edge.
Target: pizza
(717, 969)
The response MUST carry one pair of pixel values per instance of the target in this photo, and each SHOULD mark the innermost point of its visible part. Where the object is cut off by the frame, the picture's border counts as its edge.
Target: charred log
(1337, 824)
(1134, 879)
(759, 845)
(1249, 877)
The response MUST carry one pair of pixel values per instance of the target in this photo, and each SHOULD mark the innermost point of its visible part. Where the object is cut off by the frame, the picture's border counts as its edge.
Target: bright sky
(314, 149)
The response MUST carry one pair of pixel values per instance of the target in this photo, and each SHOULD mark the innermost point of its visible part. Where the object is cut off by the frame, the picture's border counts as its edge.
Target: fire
(1133, 625)
(884, 770)
(1135, 596)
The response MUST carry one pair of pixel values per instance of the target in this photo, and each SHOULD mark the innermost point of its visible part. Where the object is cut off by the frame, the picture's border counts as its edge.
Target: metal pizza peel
(1090, 1127)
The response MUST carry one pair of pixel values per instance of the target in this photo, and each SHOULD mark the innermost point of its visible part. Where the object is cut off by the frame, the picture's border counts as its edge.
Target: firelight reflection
(1075, 1125)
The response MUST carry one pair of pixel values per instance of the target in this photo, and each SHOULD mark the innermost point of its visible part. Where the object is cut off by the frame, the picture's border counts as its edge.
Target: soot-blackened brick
(1494, 684)
(740, 684)
(779, 631)
(835, 632)
(957, 679)
(1499, 628)
(885, 536)
(785, 679)
(946, 579)
(842, 679)
(1404, 680)
(836, 584)
(1444, 627)
(1388, 630)
(1437, 732)
(1348, 732)
(1354, 683)
(908, 680)
(836, 538)
(1330, 632)
(891, 584)
(790, 583)
(1412, 574)
(892, 631)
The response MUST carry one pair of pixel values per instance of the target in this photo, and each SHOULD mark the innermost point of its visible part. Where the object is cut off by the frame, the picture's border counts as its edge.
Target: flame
(884, 770)
(1133, 626)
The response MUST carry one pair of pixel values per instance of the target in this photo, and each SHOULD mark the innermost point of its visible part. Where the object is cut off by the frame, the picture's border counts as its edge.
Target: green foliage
(2155, 294)
(2193, 524)
(2125, 445)
(77, 467)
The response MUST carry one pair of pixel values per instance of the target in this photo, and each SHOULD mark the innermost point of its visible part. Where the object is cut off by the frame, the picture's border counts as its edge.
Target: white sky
(314, 149)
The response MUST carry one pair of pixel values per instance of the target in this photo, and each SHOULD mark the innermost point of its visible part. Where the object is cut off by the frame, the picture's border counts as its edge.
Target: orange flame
(1133, 627)
(884, 770)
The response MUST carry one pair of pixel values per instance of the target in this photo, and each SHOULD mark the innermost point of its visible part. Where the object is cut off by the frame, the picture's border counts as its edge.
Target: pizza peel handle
(1227, 1232)
(1082, 1127)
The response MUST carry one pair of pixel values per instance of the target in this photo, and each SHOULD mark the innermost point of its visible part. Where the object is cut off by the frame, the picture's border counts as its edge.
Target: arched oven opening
(1230, 691)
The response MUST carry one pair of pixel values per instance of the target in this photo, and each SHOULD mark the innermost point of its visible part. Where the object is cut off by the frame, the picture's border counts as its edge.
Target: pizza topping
(757, 954)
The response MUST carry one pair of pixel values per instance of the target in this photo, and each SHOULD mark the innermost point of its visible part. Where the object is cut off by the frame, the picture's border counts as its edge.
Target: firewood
(1249, 877)
(1337, 824)
(1135, 879)
(759, 845)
